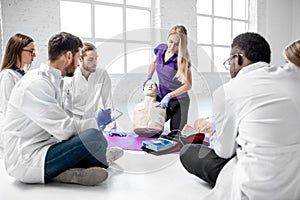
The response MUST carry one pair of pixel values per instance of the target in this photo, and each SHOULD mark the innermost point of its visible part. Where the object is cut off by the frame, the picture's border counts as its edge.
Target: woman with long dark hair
(18, 57)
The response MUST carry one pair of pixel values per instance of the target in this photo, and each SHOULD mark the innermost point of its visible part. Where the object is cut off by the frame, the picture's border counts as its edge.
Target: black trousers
(177, 112)
(202, 161)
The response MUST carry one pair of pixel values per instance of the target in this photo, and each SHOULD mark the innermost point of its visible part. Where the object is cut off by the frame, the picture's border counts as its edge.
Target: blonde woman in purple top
(173, 68)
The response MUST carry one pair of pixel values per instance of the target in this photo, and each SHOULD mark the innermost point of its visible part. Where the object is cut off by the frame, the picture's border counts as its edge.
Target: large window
(119, 28)
(218, 22)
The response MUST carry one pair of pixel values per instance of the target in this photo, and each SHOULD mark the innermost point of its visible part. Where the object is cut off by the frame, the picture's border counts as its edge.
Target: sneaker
(89, 176)
(113, 154)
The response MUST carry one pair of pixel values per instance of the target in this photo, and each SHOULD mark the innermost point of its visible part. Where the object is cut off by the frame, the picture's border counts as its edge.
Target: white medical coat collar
(55, 75)
(252, 67)
(78, 71)
(52, 70)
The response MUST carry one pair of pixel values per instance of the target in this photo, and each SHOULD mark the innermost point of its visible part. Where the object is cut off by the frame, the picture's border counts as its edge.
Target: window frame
(212, 45)
(124, 40)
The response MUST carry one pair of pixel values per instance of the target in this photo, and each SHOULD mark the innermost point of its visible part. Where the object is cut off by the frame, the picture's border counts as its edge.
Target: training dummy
(149, 118)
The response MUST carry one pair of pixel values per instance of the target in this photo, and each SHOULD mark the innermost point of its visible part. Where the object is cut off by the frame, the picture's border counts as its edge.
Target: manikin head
(150, 89)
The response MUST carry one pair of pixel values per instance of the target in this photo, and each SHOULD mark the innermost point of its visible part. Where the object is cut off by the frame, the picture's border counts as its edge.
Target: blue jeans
(87, 149)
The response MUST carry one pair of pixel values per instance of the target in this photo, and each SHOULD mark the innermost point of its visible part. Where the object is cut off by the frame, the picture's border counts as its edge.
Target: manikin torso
(149, 118)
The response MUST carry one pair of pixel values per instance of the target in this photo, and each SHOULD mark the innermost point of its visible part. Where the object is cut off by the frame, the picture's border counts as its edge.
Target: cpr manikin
(149, 118)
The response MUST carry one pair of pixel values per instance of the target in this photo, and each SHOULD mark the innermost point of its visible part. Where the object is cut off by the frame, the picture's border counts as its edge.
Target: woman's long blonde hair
(183, 58)
(292, 53)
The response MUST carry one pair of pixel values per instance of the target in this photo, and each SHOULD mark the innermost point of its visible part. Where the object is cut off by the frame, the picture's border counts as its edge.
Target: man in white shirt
(89, 89)
(42, 142)
(256, 116)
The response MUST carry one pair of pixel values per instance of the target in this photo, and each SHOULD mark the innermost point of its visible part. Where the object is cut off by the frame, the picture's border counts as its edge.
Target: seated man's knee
(194, 155)
(93, 136)
(190, 151)
(186, 155)
(185, 151)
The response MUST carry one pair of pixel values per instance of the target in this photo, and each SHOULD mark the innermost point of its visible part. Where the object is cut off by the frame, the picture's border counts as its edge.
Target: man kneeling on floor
(42, 142)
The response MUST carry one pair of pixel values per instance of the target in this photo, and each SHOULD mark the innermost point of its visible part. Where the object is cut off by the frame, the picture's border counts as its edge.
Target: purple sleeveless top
(166, 72)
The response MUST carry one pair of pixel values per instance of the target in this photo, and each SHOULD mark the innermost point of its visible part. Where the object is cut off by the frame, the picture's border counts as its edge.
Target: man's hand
(203, 126)
(103, 117)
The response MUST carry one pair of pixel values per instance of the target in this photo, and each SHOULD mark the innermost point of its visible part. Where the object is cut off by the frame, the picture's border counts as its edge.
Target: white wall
(36, 18)
(1, 32)
(175, 12)
(279, 24)
(295, 20)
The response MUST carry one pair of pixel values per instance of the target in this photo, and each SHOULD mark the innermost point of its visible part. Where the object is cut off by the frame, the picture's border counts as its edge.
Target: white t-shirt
(82, 98)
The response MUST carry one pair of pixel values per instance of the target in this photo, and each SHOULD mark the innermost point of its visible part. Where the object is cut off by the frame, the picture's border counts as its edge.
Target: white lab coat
(8, 79)
(257, 116)
(35, 120)
(82, 97)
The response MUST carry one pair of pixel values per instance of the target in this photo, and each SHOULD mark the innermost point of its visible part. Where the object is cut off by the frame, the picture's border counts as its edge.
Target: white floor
(136, 176)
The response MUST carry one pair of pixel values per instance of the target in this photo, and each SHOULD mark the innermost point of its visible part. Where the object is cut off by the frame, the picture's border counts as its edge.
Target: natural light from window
(218, 22)
(119, 28)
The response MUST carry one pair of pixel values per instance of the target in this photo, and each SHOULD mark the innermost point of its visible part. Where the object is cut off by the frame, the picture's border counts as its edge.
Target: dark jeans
(202, 161)
(177, 112)
(87, 149)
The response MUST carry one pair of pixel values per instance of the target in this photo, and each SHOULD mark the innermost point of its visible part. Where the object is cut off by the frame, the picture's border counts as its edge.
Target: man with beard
(42, 141)
(255, 147)
(89, 89)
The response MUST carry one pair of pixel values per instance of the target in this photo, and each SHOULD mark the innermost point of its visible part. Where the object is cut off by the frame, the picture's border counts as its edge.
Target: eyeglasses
(31, 51)
(227, 62)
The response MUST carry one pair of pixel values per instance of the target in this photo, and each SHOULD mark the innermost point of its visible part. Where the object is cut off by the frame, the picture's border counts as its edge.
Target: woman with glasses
(18, 57)
(173, 68)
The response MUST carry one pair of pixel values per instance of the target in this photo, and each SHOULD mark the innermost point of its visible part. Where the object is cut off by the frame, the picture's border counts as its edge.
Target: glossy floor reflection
(137, 175)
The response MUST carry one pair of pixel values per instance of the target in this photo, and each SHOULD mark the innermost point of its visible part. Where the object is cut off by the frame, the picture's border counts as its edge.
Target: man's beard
(70, 74)
(88, 69)
(71, 67)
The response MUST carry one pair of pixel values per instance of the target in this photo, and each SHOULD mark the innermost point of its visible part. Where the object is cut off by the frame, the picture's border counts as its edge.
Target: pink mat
(129, 142)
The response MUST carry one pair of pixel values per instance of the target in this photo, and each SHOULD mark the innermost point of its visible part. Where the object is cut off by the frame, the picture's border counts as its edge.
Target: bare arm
(151, 68)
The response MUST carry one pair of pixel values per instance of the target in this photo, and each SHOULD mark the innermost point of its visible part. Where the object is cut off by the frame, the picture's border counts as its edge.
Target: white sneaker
(89, 176)
(113, 154)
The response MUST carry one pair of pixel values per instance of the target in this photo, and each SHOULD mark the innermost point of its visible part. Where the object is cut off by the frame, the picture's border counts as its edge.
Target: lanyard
(22, 72)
